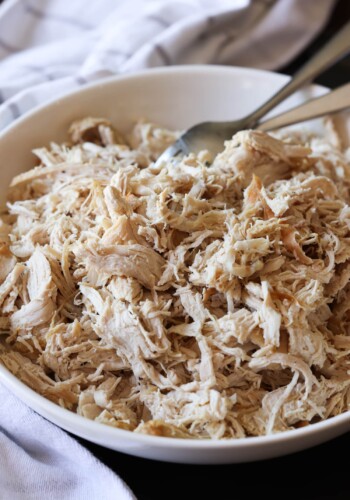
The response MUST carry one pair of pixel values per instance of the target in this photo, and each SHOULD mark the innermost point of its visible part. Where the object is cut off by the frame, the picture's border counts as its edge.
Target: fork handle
(331, 102)
(338, 47)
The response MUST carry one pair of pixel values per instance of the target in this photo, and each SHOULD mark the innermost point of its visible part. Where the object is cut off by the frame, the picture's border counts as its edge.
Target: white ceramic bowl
(175, 97)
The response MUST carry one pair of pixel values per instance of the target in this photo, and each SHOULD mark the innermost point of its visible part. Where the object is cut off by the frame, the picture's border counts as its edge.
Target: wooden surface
(317, 474)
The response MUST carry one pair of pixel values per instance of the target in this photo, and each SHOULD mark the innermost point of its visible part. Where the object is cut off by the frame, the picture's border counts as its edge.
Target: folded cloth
(40, 461)
(48, 47)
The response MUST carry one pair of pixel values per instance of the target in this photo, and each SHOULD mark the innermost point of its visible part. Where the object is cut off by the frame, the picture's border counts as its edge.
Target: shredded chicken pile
(189, 300)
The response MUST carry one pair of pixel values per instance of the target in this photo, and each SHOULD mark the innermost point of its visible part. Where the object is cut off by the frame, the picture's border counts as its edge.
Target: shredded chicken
(187, 300)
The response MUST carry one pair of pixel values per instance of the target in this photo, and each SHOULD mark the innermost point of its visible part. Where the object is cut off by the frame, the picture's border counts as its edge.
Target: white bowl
(175, 97)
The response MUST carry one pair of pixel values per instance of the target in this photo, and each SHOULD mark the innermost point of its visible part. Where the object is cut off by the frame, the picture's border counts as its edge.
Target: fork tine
(175, 150)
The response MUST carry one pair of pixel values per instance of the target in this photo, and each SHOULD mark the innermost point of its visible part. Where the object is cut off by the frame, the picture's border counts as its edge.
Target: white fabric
(40, 461)
(49, 47)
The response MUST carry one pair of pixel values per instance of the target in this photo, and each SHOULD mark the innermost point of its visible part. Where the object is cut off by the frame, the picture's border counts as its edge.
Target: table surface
(318, 473)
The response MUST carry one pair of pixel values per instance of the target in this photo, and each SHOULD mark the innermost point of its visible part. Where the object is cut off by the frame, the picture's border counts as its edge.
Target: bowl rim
(145, 74)
(107, 433)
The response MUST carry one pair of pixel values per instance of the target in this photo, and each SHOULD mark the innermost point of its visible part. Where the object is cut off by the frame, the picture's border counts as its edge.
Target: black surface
(319, 473)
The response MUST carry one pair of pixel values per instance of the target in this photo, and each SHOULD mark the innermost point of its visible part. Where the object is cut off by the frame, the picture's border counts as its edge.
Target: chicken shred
(188, 300)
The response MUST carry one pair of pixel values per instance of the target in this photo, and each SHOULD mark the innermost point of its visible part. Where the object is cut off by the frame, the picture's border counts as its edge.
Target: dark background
(320, 473)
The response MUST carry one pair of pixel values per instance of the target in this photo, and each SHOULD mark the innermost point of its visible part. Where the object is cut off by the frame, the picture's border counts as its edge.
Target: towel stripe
(162, 53)
(158, 20)
(34, 11)
(8, 47)
(14, 109)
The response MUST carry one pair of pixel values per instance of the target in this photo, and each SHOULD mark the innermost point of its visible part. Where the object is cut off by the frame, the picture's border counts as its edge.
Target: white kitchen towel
(39, 461)
(48, 47)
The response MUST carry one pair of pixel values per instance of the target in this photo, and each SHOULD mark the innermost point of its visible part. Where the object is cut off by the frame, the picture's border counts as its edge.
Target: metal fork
(211, 135)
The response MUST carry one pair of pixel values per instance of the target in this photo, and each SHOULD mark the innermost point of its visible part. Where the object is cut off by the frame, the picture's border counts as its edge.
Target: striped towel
(49, 47)
(39, 461)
